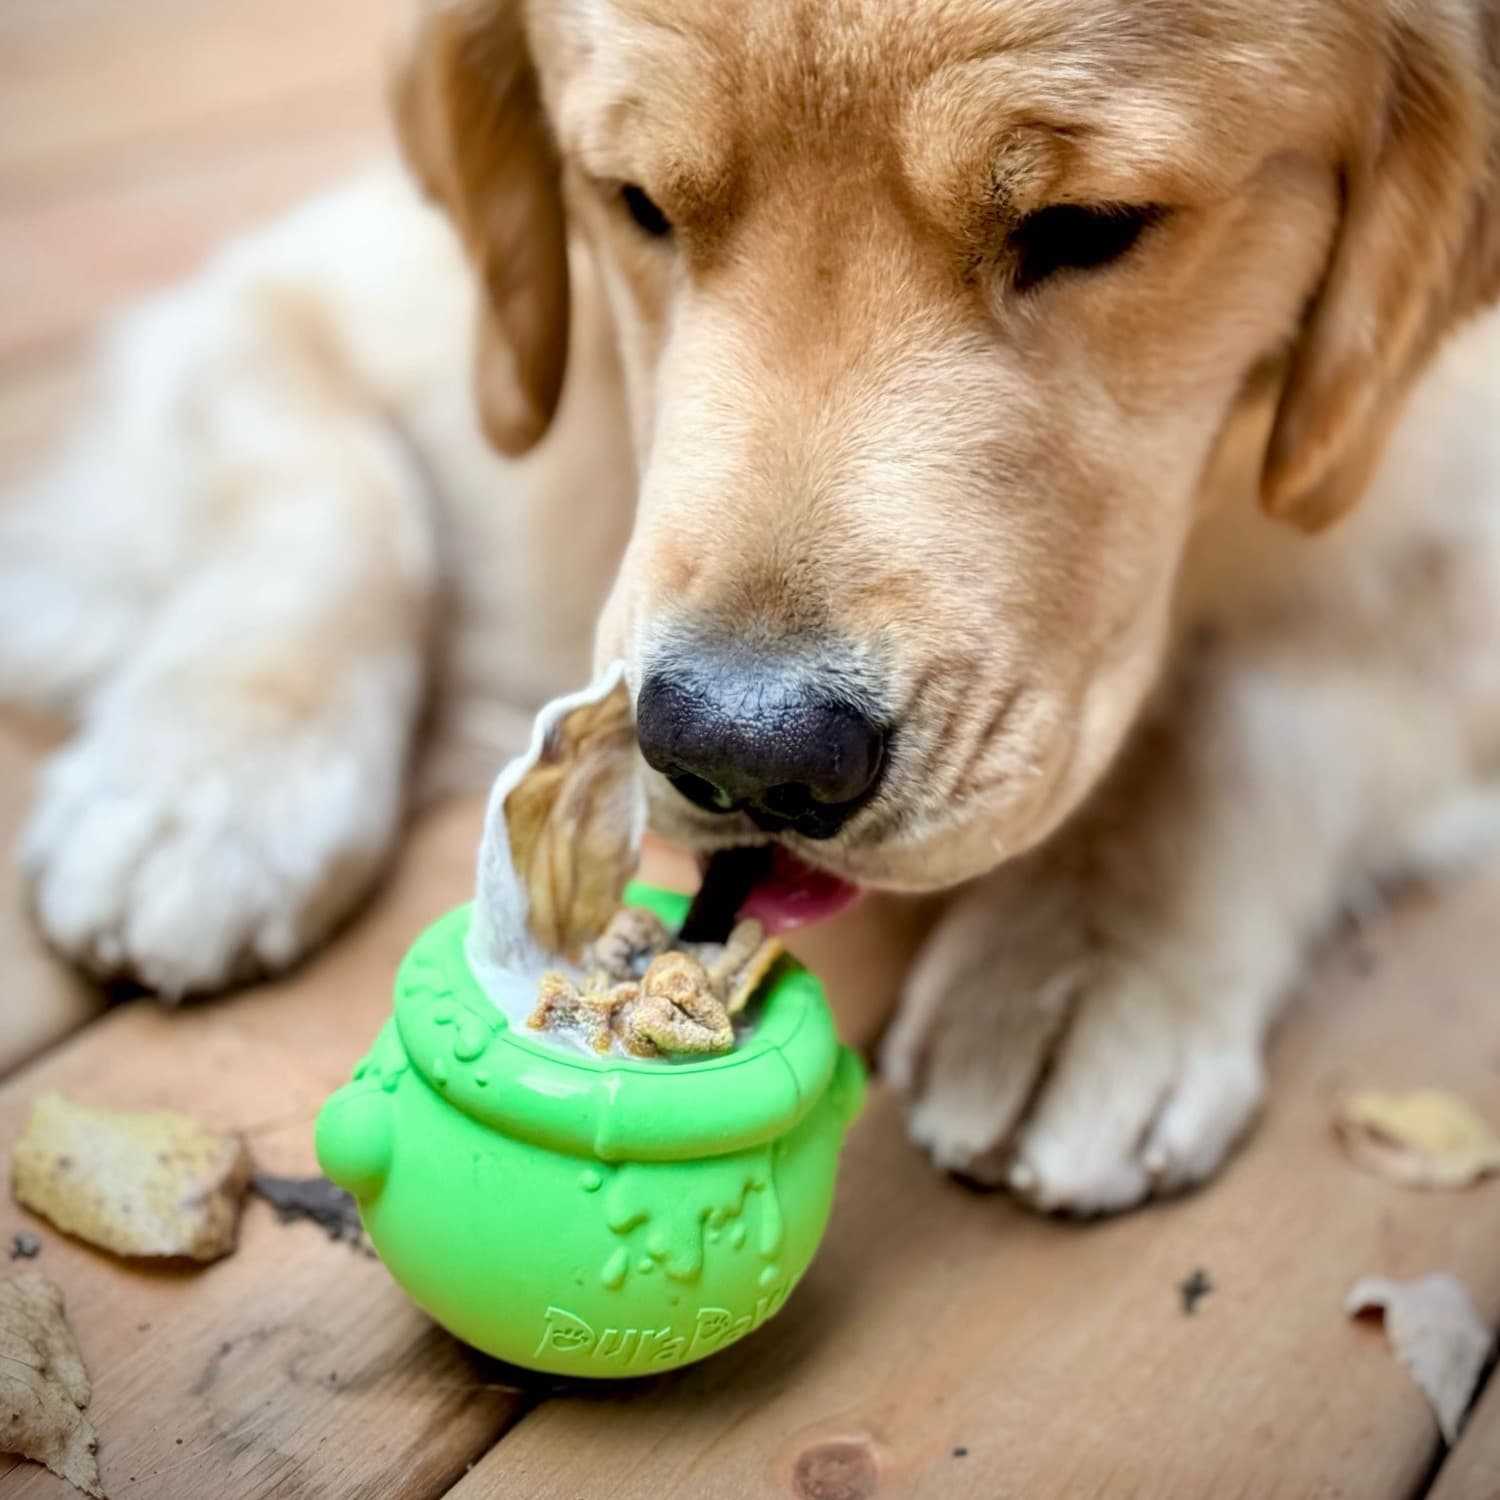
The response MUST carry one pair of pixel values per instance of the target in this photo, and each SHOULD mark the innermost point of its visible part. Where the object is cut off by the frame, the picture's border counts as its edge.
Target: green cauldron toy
(594, 1216)
(576, 1211)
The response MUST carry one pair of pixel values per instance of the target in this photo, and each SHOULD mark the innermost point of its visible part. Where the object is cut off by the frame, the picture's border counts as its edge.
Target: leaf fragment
(44, 1386)
(1435, 1331)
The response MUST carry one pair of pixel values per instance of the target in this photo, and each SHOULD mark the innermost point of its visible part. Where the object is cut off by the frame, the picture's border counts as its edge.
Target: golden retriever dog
(1046, 451)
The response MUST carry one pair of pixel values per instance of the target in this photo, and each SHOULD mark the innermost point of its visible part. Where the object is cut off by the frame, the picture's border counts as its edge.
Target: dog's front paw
(1039, 1055)
(170, 849)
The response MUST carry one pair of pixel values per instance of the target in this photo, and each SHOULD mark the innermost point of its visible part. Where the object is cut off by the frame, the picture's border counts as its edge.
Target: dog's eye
(648, 217)
(1070, 236)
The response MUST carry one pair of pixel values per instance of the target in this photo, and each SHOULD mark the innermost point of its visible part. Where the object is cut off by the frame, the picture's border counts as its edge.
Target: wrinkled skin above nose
(764, 738)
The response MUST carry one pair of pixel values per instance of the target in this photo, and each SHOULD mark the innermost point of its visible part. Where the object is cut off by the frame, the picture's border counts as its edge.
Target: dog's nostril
(788, 800)
(702, 793)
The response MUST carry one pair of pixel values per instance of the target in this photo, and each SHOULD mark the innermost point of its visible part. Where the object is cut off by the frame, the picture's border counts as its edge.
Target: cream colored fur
(1152, 735)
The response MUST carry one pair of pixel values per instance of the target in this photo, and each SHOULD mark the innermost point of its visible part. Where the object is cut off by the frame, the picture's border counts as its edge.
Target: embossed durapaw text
(622, 1349)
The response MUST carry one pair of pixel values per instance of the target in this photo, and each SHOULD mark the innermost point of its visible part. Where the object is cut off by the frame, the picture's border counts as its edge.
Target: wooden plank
(294, 1367)
(67, 261)
(950, 1345)
(92, 87)
(1472, 1470)
(42, 999)
(134, 139)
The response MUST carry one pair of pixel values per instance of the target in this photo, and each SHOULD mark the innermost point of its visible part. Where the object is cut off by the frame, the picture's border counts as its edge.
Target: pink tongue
(796, 895)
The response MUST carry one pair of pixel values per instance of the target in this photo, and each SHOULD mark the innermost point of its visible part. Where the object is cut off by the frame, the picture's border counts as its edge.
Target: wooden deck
(945, 1344)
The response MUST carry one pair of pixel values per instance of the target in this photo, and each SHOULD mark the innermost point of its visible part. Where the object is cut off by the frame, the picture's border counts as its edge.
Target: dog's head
(933, 314)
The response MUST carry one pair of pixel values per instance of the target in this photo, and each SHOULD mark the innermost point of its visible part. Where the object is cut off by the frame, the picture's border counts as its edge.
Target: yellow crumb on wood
(1426, 1138)
(154, 1183)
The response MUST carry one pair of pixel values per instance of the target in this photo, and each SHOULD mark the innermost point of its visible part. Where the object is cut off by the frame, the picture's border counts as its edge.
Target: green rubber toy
(590, 1216)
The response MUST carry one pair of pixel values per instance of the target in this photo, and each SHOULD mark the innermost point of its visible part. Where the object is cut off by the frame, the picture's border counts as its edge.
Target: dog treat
(588, 1010)
(676, 1011)
(562, 834)
(742, 966)
(654, 998)
(149, 1184)
(625, 948)
(671, 1010)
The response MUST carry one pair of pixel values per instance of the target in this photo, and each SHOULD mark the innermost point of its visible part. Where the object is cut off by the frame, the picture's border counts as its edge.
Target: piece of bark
(154, 1183)
(313, 1199)
(1428, 1138)
(44, 1386)
(1435, 1331)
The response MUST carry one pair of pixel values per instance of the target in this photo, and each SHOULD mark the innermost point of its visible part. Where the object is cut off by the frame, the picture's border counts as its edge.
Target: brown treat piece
(677, 1010)
(556, 1000)
(590, 1010)
(742, 965)
(562, 1006)
(618, 998)
(627, 945)
(632, 1040)
(753, 974)
(742, 942)
(155, 1183)
(43, 1384)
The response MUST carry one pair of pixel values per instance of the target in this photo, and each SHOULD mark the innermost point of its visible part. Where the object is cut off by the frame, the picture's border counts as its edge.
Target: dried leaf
(562, 837)
(1428, 1138)
(1432, 1326)
(43, 1384)
(155, 1183)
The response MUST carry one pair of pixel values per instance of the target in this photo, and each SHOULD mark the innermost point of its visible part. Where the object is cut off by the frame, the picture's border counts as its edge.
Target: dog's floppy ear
(1418, 245)
(469, 115)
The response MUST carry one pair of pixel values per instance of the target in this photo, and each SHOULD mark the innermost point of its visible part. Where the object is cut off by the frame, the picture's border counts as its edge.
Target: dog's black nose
(761, 740)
